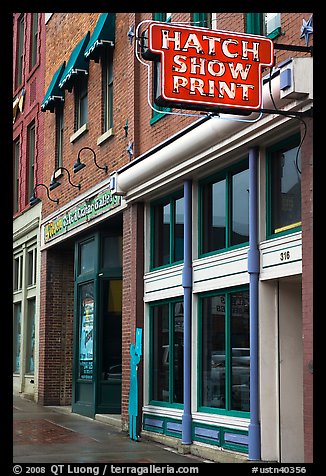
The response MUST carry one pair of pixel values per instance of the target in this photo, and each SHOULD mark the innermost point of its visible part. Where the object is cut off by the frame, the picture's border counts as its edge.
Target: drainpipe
(253, 270)
(187, 287)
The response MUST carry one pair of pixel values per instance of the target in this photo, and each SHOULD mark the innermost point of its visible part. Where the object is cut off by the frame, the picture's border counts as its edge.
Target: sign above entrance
(77, 215)
(205, 69)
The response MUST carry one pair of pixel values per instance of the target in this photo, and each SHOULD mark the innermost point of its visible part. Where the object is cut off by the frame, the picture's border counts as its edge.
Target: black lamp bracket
(56, 200)
(105, 168)
(69, 179)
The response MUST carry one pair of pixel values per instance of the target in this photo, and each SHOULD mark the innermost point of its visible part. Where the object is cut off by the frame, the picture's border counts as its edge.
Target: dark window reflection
(286, 189)
(213, 345)
(160, 359)
(240, 358)
(240, 207)
(214, 216)
(161, 234)
(178, 229)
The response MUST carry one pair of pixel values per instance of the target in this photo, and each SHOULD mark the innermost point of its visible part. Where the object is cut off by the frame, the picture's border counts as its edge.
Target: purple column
(187, 287)
(253, 270)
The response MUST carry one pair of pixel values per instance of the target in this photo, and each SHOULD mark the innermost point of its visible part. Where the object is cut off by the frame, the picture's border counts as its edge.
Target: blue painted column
(253, 270)
(187, 287)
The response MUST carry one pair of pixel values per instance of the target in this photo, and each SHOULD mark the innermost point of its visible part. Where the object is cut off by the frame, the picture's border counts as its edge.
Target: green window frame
(20, 51)
(227, 203)
(59, 128)
(257, 24)
(224, 352)
(201, 19)
(167, 219)
(163, 17)
(166, 346)
(274, 153)
(81, 101)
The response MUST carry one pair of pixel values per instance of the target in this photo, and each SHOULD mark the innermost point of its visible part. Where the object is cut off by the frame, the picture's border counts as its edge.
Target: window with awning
(76, 66)
(54, 94)
(103, 35)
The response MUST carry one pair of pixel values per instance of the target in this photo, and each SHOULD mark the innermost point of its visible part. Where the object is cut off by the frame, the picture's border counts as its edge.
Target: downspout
(187, 287)
(253, 270)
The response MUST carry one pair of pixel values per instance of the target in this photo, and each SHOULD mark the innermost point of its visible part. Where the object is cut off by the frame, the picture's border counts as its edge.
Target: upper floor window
(268, 24)
(224, 209)
(159, 110)
(31, 158)
(107, 84)
(167, 217)
(81, 101)
(19, 51)
(202, 19)
(16, 175)
(59, 135)
(284, 187)
(34, 40)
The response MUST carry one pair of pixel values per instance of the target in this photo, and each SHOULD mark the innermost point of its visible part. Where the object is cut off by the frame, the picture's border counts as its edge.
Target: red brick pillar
(132, 297)
(307, 285)
(56, 327)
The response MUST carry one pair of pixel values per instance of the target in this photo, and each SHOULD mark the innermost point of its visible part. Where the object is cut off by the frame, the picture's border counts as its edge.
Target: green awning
(76, 65)
(54, 94)
(104, 34)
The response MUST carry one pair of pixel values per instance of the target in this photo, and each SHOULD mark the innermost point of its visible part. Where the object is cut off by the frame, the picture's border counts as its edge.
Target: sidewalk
(51, 435)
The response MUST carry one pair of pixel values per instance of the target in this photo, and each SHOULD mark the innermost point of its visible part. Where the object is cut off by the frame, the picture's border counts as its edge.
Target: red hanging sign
(207, 69)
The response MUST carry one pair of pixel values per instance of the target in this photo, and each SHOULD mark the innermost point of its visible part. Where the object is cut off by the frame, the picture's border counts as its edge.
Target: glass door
(83, 401)
(110, 346)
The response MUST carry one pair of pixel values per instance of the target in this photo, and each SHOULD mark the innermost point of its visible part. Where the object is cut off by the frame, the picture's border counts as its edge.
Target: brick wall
(307, 284)
(132, 298)
(56, 327)
(33, 85)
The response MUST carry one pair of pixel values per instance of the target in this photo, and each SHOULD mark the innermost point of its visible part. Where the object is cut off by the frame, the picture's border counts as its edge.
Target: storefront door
(98, 328)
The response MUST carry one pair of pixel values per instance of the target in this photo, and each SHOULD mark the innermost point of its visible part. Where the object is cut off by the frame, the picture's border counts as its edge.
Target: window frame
(107, 89)
(227, 411)
(59, 128)
(285, 143)
(156, 116)
(170, 302)
(255, 25)
(34, 41)
(226, 173)
(31, 144)
(20, 51)
(171, 199)
(16, 181)
(81, 94)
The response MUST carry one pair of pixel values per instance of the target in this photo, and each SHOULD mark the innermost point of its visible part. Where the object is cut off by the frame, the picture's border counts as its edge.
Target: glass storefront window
(112, 252)
(86, 332)
(17, 337)
(224, 210)
(224, 351)
(167, 231)
(167, 352)
(285, 189)
(30, 338)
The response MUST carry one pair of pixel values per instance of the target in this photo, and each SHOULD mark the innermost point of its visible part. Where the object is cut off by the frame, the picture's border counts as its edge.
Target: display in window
(86, 344)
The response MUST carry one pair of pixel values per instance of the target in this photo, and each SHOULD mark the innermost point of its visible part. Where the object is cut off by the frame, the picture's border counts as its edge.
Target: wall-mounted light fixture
(54, 183)
(34, 199)
(79, 165)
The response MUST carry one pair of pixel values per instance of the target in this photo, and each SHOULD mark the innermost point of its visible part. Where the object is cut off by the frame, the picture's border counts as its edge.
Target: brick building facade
(28, 160)
(101, 274)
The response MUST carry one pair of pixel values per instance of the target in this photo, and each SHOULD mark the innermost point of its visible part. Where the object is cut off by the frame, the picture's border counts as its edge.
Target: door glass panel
(87, 257)
(86, 335)
(17, 337)
(30, 343)
(111, 335)
(112, 252)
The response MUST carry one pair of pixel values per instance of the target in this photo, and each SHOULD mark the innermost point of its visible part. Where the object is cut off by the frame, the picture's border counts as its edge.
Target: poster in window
(86, 338)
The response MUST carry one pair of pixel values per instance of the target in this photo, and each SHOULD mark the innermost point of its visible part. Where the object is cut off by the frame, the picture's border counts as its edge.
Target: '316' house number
(285, 255)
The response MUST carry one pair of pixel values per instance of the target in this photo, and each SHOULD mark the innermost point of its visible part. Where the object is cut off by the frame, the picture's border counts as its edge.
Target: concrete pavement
(51, 435)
